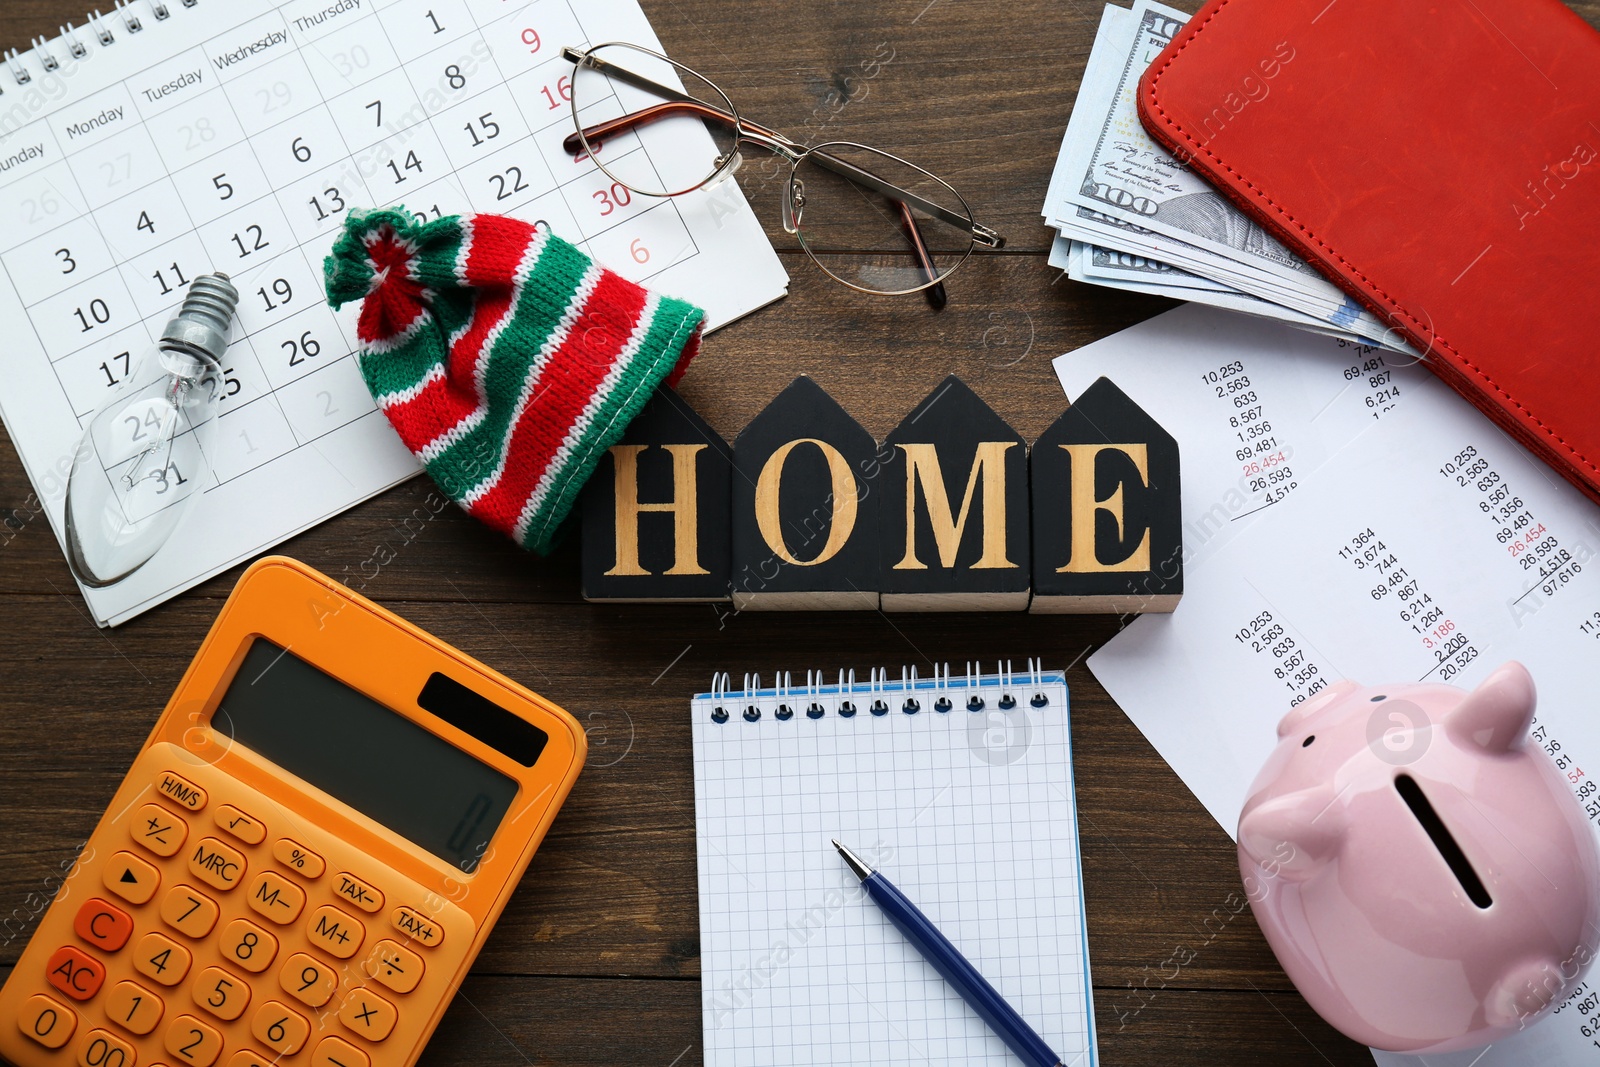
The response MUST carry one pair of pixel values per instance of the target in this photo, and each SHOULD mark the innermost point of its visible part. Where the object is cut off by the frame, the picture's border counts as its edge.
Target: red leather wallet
(1439, 161)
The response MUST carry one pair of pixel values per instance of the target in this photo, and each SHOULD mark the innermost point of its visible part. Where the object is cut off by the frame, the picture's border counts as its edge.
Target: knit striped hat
(508, 360)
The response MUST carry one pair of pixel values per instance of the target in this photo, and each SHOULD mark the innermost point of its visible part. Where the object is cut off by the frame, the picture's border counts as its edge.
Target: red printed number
(562, 94)
(531, 39)
(617, 196)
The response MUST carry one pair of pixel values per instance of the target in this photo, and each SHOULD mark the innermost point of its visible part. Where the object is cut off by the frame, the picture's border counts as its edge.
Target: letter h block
(656, 516)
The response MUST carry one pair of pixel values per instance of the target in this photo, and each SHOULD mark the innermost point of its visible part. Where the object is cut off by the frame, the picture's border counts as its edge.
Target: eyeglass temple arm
(935, 292)
(681, 103)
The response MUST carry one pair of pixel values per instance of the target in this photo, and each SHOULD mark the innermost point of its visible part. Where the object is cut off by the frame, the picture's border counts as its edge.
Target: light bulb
(146, 451)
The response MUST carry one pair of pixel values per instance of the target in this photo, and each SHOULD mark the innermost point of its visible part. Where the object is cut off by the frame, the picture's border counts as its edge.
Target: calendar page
(170, 140)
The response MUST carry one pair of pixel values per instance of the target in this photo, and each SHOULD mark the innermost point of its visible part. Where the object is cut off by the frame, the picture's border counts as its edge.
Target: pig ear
(1298, 714)
(1294, 834)
(1496, 715)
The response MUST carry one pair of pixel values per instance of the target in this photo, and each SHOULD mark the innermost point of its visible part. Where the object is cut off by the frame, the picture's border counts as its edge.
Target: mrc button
(216, 864)
(180, 790)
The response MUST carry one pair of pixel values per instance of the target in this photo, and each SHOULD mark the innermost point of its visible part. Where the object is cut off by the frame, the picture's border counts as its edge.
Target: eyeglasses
(858, 212)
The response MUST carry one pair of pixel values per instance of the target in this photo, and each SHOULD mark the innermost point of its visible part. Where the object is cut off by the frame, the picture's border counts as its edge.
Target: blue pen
(953, 966)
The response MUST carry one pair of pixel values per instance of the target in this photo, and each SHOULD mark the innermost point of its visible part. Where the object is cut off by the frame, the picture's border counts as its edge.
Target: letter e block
(1107, 513)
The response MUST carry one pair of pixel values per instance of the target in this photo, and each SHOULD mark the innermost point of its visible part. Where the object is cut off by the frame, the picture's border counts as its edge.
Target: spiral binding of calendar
(942, 693)
(127, 18)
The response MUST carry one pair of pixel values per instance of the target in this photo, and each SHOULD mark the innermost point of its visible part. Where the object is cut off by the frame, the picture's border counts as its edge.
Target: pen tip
(855, 863)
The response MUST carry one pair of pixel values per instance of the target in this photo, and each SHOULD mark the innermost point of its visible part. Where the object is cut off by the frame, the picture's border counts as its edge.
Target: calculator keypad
(208, 941)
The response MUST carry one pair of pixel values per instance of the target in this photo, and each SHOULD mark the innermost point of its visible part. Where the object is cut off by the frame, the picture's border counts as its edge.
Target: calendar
(173, 139)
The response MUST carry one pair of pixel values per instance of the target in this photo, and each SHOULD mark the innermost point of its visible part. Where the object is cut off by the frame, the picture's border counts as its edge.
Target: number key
(101, 1048)
(189, 911)
(248, 945)
(47, 1021)
(222, 994)
(280, 1028)
(161, 959)
(134, 1008)
(308, 980)
(193, 1042)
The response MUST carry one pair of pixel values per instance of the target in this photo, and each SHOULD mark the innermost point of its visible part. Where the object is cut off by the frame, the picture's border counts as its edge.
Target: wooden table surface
(597, 958)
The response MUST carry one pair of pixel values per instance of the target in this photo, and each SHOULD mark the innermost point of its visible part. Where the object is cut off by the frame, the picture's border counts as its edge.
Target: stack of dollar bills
(1130, 216)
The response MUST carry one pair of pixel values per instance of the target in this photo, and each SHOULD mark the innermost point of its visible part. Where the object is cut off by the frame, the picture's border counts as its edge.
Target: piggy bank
(1420, 867)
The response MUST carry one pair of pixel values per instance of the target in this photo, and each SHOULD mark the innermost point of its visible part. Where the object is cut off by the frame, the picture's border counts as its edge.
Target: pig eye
(1307, 742)
(1379, 697)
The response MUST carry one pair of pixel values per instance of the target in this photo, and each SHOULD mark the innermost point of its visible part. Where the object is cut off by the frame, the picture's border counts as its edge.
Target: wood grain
(596, 960)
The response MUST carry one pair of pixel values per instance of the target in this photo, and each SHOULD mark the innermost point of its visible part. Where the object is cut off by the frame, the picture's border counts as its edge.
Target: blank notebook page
(970, 813)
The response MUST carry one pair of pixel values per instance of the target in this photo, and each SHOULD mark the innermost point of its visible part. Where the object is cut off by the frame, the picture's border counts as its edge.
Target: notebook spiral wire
(844, 697)
(70, 43)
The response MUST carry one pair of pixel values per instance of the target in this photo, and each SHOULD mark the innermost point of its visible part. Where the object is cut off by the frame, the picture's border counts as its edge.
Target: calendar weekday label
(237, 138)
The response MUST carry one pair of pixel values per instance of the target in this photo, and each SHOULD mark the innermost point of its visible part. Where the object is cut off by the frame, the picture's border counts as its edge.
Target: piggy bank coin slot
(1442, 840)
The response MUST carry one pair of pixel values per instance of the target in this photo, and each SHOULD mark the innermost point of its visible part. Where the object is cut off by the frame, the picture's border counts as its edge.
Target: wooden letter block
(805, 514)
(954, 521)
(1107, 517)
(656, 519)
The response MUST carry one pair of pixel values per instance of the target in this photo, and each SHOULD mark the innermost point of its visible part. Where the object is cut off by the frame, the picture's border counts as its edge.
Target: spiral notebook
(172, 138)
(960, 790)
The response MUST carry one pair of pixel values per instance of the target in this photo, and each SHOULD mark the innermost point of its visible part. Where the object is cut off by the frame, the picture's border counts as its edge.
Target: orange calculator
(307, 854)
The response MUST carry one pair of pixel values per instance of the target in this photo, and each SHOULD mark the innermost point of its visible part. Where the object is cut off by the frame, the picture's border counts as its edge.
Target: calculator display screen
(379, 762)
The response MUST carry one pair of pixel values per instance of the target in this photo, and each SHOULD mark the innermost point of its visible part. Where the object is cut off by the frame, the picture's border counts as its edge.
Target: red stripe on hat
(498, 246)
(569, 382)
